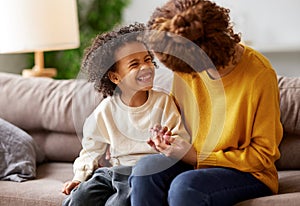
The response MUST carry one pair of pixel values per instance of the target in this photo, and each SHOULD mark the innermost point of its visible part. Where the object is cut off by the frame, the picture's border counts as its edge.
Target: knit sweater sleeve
(260, 150)
(94, 144)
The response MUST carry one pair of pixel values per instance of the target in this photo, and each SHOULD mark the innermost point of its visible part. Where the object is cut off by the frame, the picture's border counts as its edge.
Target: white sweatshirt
(126, 130)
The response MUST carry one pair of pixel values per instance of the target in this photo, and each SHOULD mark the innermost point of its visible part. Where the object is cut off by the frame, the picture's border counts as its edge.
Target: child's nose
(143, 67)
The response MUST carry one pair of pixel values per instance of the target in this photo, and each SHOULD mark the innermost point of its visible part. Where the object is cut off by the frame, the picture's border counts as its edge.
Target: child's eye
(134, 65)
(148, 60)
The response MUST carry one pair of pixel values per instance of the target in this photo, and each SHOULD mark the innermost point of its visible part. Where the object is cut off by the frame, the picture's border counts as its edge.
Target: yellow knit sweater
(234, 121)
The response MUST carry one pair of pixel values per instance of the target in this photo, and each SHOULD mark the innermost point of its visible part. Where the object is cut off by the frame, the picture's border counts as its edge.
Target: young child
(122, 69)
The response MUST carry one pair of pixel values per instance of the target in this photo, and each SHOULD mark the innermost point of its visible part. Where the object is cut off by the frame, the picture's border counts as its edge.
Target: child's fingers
(151, 144)
(107, 153)
(67, 188)
(168, 133)
(157, 127)
(168, 139)
(154, 131)
(163, 130)
(156, 139)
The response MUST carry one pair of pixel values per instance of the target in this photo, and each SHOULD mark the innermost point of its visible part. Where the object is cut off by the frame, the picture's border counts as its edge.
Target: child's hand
(160, 136)
(69, 186)
(163, 142)
(104, 160)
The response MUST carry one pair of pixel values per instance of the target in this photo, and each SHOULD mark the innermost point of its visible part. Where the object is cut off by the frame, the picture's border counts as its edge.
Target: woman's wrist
(191, 157)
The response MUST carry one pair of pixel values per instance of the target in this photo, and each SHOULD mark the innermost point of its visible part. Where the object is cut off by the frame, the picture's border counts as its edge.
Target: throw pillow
(17, 153)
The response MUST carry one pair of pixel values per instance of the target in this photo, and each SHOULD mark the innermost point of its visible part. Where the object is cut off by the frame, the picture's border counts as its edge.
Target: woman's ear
(114, 77)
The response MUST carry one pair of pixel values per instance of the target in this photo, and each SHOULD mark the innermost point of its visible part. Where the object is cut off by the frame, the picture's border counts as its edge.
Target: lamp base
(39, 73)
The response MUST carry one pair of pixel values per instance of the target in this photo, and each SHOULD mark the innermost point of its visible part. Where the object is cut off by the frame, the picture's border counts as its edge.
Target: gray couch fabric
(18, 153)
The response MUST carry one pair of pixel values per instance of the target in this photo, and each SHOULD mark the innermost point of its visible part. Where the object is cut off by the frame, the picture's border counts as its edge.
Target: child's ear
(114, 77)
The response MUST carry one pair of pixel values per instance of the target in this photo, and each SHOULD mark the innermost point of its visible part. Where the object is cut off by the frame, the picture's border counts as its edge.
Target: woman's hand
(163, 142)
(69, 186)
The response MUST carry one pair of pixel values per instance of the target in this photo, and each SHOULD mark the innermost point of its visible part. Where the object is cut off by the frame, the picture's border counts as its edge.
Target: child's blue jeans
(180, 185)
(107, 186)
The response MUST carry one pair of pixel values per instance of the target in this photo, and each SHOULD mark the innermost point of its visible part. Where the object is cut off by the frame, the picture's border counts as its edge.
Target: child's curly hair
(200, 21)
(99, 59)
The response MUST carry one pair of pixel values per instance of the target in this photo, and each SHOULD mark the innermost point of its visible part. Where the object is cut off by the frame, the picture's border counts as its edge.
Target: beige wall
(285, 63)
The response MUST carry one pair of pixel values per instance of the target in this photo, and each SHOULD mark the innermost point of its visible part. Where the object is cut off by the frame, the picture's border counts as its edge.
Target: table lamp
(38, 26)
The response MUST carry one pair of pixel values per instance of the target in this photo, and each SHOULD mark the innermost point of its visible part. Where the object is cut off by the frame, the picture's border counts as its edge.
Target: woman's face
(134, 68)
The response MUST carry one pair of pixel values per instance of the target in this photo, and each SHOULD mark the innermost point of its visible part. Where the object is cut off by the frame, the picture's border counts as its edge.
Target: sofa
(52, 113)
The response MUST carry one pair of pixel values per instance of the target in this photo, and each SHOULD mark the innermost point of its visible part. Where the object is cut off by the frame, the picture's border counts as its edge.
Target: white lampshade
(38, 26)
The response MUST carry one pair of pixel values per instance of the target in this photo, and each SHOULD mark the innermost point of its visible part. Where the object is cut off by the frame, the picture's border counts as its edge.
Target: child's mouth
(145, 78)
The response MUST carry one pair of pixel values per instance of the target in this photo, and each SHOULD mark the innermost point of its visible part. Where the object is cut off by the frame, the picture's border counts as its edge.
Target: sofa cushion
(60, 147)
(290, 199)
(289, 191)
(289, 181)
(18, 153)
(290, 103)
(45, 190)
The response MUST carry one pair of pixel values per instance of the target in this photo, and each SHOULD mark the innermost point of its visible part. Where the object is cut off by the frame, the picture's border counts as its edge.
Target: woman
(231, 111)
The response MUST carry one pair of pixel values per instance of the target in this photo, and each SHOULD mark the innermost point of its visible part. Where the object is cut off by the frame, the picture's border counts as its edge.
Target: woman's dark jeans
(158, 180)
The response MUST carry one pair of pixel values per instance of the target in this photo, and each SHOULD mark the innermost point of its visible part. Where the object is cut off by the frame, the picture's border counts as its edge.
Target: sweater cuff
(206, 159)
(81, 176)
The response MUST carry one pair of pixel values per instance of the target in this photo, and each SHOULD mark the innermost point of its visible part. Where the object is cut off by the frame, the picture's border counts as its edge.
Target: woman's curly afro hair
(202, 22)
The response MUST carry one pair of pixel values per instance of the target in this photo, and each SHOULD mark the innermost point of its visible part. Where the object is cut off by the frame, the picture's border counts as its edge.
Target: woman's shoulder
(256, 63)
(255, 57)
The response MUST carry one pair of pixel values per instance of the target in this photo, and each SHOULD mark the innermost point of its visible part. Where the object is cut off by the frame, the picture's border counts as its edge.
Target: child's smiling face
(134, 68)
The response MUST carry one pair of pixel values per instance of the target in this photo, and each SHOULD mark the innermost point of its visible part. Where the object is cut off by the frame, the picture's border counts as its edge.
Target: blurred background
(270, 26)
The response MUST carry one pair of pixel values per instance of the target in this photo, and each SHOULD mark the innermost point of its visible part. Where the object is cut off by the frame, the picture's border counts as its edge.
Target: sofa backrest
(290, 117)
(290, 103)
(43, 103)
(53, 111)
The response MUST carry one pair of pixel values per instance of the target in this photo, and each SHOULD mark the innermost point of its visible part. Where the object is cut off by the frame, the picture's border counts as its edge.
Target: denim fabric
(151, 178)
(179, 185)
(107, 187)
